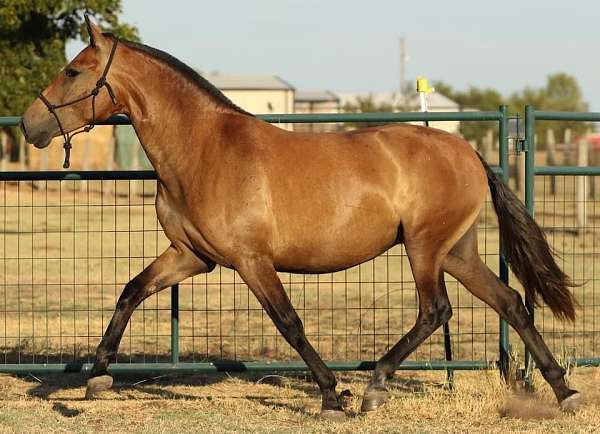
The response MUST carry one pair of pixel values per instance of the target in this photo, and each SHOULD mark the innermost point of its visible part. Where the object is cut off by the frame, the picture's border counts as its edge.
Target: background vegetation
(560, 93)
(33, 36)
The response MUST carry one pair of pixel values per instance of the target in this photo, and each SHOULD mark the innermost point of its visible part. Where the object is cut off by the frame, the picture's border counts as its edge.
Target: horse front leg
(171, 267)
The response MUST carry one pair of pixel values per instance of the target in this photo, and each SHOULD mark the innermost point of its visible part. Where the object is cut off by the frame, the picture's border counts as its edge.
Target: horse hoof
(333, 415)
(98, 384)
(572, 403)
(374, 399)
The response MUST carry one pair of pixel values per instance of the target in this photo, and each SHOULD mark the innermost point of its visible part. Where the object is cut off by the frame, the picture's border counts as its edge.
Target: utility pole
(403, 60)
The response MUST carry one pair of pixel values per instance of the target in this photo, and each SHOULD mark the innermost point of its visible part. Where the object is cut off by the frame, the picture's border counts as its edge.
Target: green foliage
(366, 104)
(33, 35)
(561, 93)
(473, 99)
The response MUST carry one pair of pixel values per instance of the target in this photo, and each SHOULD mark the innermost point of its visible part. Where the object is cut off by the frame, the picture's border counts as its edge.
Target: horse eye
(70, 72)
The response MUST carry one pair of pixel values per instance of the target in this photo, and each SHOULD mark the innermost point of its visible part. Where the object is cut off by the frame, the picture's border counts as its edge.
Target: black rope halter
(93, 94)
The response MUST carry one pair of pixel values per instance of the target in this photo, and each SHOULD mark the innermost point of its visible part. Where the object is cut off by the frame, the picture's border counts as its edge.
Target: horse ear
(94, 30)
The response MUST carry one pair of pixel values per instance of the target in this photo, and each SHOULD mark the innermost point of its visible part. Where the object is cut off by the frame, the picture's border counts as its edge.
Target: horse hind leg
(463, 262)
(263, 281)
(434, 310)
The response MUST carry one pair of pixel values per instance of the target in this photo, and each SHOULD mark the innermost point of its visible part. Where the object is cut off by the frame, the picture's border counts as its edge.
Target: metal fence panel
(71, 240)
(68, 247)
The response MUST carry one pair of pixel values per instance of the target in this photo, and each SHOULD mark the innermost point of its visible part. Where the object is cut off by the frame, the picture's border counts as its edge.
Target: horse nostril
(23, 129)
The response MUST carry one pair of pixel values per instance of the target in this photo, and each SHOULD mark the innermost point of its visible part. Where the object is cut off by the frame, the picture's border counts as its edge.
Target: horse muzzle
(38, 137)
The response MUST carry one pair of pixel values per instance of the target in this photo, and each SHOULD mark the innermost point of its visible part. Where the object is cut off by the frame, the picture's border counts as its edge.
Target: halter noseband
(93, 94)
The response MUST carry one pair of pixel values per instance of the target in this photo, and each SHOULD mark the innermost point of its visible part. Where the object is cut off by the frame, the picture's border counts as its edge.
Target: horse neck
(172, 116)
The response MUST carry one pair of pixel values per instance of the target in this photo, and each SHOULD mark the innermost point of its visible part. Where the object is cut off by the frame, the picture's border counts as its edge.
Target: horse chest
(183, 225)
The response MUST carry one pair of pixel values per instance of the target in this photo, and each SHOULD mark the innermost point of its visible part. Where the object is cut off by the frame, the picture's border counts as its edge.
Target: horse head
(78, 97)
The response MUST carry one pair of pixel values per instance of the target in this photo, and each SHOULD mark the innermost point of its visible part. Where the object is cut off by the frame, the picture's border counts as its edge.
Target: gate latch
(520, 146)
(516, 132)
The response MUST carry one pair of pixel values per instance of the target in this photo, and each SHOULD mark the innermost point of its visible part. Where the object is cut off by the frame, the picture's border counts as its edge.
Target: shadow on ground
(158, 387)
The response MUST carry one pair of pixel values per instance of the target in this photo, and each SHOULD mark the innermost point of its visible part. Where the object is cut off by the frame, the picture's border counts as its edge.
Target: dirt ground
(420, 403)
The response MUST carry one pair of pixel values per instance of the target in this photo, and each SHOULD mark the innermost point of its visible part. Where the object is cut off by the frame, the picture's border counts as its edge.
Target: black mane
(186, 71)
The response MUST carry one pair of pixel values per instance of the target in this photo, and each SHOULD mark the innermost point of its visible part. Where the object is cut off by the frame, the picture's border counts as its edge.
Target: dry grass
(420, 404)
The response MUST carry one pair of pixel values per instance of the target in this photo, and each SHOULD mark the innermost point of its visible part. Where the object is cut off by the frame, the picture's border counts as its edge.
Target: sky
(354, 45)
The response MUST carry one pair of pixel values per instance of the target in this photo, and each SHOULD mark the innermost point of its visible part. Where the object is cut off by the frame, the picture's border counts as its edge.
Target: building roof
(435, 100)
(247, 82)
(378, 97)
(316, 96)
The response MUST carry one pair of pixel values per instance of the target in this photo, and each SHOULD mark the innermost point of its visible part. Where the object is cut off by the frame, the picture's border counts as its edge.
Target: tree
(367, 104)
(33, 35)
(561, 93)
(474, 98)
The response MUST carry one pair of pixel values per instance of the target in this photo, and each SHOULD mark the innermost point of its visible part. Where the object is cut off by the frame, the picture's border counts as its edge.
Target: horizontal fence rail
(330, 117)
(229, 366)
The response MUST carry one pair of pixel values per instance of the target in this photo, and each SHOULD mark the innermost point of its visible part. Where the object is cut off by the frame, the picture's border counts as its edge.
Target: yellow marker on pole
(423, 85)
(423, 89)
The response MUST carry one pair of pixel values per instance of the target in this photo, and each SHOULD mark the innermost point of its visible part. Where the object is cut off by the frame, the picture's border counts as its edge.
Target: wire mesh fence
(68, 247)
(567, 208)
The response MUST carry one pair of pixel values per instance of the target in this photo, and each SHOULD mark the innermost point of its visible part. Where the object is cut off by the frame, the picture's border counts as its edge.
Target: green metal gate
(70, 240)
(577, 246)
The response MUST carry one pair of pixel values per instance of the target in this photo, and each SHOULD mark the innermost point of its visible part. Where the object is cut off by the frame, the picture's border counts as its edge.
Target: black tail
(528, 253)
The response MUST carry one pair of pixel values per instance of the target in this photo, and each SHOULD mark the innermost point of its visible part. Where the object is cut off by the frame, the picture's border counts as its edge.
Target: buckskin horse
(236, 191)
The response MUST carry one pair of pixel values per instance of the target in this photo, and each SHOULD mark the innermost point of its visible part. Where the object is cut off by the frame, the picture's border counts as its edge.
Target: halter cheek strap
(92, 94)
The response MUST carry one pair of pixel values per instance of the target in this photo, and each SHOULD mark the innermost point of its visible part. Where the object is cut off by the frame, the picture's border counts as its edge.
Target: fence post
(582, 183)
(3, 150)
(567, 148)
(530, 205)
(487, 145)
(135, 165)
(22, 156)
(503, 325)
(521, 173)
(551, 156)
(42, 185)
(86, 160)
(175, 324)
(110, 158)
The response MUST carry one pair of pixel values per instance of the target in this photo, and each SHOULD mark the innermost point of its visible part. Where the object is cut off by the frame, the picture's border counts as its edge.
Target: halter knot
(67, 146)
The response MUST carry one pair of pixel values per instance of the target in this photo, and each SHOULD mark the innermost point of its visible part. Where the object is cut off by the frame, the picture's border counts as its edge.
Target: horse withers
(236, 191)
